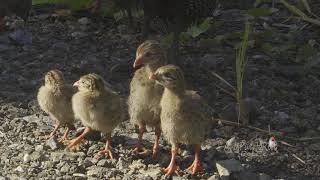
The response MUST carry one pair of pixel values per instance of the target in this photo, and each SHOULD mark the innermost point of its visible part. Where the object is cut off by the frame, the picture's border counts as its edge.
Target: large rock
(227, 167)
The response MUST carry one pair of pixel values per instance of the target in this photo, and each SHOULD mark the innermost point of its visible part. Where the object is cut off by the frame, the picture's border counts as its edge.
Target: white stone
(26, 158)
(226, 167)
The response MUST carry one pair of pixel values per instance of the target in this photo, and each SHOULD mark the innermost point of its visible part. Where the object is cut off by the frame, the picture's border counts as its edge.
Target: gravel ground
(286, 101)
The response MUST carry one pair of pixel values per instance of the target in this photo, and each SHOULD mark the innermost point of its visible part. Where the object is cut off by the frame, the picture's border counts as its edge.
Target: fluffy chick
(54, 97)
(184, 116)
(98, 108)
(145, 95)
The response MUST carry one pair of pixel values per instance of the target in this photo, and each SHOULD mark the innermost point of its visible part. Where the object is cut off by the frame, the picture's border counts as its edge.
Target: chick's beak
(76, 84)
(137, 62)
(153, 77)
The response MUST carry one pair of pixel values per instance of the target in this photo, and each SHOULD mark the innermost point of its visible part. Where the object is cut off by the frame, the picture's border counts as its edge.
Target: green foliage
(299, 13)
(73, 4)
(262, 11)
(241, 60)
(196, 30)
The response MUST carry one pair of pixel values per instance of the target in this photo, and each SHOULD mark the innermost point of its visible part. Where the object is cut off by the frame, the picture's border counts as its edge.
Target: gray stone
(248, 176)
(26, 158)
(263, 176)
(226, 167)
(87, 162)
(177, 178)
(52, 143)
(65, 168)
(121, 164)
(80, 175)
(19, 169)
(282, 115)
(315, 147)
(84, 21)
(102, 162)
(230, 141)
(78, 34)
(214, 177)
(137, 165)
(96, 171)
(39, 148)
(154, 173)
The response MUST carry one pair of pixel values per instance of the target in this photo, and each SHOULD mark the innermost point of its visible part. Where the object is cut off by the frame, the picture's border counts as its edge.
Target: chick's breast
(99, 111)
(144, 99)
(184, 120)
(57, 103)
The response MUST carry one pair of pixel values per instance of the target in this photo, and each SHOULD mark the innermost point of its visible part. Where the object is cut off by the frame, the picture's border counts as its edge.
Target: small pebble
(26, 158)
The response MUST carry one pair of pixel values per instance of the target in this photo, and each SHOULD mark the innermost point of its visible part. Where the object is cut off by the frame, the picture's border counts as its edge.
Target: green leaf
(262, 11)
(119, 15)
(195, 31)
(298, 12)
(306, 5)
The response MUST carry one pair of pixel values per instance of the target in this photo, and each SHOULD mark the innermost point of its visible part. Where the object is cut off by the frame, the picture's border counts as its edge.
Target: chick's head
(151, 53)
(54, 78)
(169, 76)
(90, 82)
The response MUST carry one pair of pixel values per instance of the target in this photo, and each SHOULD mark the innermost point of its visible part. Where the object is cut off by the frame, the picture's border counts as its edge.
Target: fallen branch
(308, 139)
(278, 134)
(272, 133)
(295, 156)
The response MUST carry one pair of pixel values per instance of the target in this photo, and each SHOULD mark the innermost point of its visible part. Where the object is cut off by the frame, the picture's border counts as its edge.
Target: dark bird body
(20, 8)
(177, 15)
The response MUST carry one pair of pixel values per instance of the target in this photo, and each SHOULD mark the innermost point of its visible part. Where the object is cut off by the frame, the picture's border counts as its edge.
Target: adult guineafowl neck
(178, 15)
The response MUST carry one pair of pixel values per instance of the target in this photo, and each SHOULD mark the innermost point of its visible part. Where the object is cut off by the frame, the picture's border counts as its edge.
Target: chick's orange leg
(107, 150)
(53, 133)
(138, 145)
(196, 165)
(77, 140)
(172, 168)
(65, 135)
(155, 148)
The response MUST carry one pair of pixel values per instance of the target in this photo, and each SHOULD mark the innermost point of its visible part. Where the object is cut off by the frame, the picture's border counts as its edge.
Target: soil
(287, 101)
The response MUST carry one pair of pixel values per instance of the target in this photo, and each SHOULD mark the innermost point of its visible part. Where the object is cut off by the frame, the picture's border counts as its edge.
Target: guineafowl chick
(98, 107)
(20, 8)
(54, 97)
(185, 117)
(145, 95)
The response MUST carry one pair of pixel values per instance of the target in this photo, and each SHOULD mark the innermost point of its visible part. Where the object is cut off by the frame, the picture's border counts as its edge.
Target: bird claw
(194, 167)
(63, 140)
(106, 152)
(73, 144)
(170, 170)
(138, 150)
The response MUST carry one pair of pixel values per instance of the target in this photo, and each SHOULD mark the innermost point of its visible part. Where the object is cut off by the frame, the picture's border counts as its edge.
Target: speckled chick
(145, 94)
(54, 97)
(98, 107)
(185, 117)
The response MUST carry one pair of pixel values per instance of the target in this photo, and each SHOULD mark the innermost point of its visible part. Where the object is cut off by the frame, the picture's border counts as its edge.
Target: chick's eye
(167, 75)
